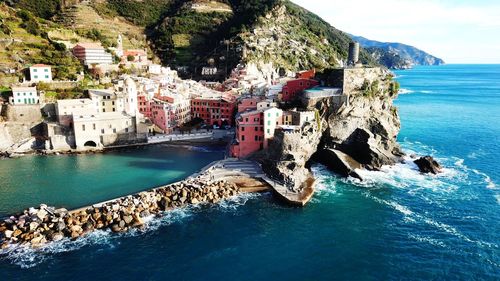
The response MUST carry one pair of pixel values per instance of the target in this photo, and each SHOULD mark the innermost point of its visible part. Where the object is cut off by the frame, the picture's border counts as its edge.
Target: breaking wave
(403, 91)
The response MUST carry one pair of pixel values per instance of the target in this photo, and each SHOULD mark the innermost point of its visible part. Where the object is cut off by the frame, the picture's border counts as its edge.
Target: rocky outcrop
(288, 154)
(339, 162)
(363, 128)
(427, 164)
(37, 226)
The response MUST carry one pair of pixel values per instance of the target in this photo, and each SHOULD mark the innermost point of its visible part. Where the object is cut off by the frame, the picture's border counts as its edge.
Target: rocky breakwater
(38, 226)
(358, 133)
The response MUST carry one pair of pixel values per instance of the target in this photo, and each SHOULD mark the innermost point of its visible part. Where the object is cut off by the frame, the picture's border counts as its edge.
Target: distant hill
(396, 55)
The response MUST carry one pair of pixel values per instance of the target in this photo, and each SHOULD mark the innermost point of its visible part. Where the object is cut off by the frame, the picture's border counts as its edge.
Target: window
(46, 77)
(114, 131)
(242, 129)
(35, 70)
(103, 103)
(36, 76)
(126, 130)
(93, 126)
(83, 127)
(256, 138)
(269, 122)
(256, 129)
(102, 131)
(269, 114)
(246, 119)
(46, 70)
(277, 114)
(268, 131)
(242, 138)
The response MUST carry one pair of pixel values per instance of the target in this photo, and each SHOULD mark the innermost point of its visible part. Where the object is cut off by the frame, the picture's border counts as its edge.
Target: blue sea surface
(396, 225)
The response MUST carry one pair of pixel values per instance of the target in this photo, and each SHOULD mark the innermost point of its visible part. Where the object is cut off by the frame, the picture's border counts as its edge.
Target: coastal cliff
(361, 126)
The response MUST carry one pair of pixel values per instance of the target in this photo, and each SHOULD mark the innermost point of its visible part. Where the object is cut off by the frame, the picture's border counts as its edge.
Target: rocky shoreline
(38, 226)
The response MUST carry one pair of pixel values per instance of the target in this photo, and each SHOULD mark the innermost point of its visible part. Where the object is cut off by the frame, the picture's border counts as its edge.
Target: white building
(40, 73)
(24, 95)
(273, 118)
(92, 53)
(103, 129)
(66, 109)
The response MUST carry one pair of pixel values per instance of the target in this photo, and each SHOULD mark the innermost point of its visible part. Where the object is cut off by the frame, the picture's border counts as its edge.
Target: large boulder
(427, 164)
(339, 162)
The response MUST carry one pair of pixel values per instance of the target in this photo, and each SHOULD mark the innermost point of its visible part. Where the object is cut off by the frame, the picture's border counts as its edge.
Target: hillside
(25, 40)
(192, 34)
(397, 55)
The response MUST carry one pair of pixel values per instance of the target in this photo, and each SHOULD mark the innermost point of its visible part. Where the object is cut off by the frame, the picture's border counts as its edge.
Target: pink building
(254, 130)
(168, 116)
(247, 104)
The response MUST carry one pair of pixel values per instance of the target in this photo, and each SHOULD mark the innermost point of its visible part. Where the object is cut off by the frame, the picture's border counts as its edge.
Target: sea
(397, 224)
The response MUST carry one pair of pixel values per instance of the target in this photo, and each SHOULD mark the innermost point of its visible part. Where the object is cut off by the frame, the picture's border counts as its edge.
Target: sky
(458, 31)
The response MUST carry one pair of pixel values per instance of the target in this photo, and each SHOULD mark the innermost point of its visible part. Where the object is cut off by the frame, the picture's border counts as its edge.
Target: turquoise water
(73, 181)
(397, 225)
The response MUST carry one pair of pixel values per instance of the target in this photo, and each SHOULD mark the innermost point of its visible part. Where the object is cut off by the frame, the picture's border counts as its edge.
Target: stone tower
(119, 45)
(353, 57)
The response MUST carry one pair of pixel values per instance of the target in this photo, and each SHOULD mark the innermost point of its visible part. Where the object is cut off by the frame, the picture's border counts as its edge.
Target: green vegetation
(144, 13)
(5, 92)
(393, 88)
(370, 89)
(41, 8)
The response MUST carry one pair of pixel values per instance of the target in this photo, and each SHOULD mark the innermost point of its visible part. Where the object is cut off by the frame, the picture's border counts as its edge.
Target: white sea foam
(426, 239)
(427, 92)
(27, 257)
(410, 216)
(324, 184)
(403, 91)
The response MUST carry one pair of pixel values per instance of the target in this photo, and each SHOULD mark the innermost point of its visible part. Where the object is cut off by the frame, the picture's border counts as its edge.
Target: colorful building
(144, 106)
(214, 110)
(306, 74)
(294, 87)
(40, 73)
(247, 104)
(92, 53)
(254, 130)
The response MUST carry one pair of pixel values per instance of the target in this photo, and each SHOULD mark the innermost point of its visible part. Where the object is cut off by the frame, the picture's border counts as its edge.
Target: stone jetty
(38, 226)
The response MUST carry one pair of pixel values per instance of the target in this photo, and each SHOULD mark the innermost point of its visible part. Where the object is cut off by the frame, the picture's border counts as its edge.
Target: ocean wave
(410, 216)
(403, 91)
(324, 183)
(426, 239)
(427, 92)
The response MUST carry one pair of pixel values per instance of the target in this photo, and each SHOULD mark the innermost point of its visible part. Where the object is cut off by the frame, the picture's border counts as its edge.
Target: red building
(214, 111)
(306, 74)
(144, 106)
(293, 87)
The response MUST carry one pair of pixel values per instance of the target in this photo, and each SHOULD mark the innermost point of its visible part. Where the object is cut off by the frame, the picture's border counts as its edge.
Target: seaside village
(157, 106)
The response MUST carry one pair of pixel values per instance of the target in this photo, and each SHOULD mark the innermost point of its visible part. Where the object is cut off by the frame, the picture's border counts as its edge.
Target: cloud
(450, 29)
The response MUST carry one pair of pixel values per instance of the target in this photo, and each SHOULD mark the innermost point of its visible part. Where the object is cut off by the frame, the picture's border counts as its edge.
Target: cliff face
(363, 128)
(397, 55)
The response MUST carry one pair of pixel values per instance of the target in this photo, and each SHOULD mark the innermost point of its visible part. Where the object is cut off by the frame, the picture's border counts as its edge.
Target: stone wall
(29, 113)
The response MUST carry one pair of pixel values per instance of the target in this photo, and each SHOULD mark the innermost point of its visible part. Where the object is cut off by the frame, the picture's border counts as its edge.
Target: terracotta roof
(90, 45)
(134, 53)
(40, 65)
